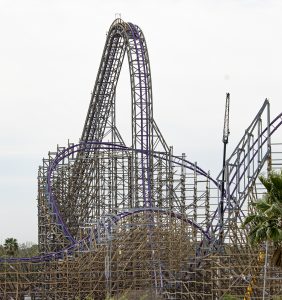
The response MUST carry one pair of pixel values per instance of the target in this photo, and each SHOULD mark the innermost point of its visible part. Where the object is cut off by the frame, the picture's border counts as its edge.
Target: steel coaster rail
(146, 132)
(127, 37)
(262, 139)
(92, 147)
(102, 102)
(79, 245)
(273, 127)
(145, 117)
(242, 143)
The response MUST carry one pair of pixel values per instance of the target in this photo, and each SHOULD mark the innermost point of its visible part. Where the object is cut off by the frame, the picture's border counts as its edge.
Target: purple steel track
(134, 43)
(143, 86)
(274, 125)
(92, 147)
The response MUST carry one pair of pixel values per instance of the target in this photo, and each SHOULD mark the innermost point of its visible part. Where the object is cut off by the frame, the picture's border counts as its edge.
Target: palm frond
(273, 234)
(266, 183)
(262, 205)
(276, 180)
(266, 222)
(248, 220)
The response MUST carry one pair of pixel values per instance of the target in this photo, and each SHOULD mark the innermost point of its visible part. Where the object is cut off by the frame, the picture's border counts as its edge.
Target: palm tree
(266, 223)
(2, 251)
(11, 246)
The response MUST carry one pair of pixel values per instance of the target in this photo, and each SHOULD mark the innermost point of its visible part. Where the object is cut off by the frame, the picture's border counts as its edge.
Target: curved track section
(55, 209)
(122, 39)
(244, 165)
(125, 37)
(139, 209)
(146, 137)
(92, 147)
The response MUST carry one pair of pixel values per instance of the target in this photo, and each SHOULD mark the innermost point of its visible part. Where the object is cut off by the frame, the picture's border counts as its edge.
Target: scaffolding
(138, 221)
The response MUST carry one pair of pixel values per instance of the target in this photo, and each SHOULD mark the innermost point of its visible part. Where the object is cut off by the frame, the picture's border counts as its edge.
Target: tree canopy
(11, 248)
(266, 221)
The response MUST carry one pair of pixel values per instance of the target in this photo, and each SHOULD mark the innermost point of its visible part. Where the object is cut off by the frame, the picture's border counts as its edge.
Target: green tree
(2, 251)
(28, 249)
(266, 221)
(11, 246)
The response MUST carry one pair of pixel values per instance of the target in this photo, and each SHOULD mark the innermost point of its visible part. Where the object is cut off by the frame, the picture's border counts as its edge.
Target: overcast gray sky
(199, 49)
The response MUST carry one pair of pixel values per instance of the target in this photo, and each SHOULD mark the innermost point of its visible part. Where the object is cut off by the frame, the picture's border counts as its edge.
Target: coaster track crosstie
(116, 218)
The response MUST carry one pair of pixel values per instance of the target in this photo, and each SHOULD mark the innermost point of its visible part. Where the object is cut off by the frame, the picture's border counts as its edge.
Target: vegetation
(11, 248)
(266, 222)
(28, 249)
(2, 251)
(229, 297)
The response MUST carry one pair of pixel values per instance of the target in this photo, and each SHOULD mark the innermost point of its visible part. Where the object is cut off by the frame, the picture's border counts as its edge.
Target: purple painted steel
(256, 141)
(275, 124)
(128, 33)
(80, 244)
(164, 211)
(69, 151)
(143, 89)
(92, 147)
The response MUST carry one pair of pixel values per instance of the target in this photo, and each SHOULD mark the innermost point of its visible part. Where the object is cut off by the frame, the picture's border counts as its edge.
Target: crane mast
(226, 133)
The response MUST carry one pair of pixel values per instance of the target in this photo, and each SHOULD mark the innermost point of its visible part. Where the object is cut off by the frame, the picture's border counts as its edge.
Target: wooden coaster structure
(138, 222)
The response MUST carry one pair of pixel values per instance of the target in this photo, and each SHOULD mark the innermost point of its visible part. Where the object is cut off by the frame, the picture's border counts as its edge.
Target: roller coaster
(127, 221)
